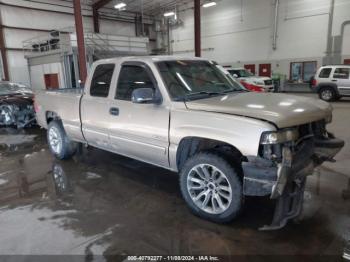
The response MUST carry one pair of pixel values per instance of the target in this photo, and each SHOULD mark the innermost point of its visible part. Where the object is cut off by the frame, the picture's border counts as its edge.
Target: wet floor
(103, 204)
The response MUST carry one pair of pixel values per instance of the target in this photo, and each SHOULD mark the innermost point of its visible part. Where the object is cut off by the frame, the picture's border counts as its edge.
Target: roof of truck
(147, 58)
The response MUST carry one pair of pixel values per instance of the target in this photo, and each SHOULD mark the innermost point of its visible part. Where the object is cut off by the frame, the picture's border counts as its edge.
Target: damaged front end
(17, 111)
(285, 160)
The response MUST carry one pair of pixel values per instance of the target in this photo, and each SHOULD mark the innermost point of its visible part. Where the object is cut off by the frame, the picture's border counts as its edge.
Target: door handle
(114, 111)
(334, 80)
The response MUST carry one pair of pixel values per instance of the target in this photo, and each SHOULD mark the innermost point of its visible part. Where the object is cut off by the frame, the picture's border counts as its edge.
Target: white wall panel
(302, 8)
(117, 28)
(20, 17)
(244, 35)
(56, 5)
(35, 19)
(346, 41)
(15, 38)
(18, 67)
(341, 14)
(36, 74)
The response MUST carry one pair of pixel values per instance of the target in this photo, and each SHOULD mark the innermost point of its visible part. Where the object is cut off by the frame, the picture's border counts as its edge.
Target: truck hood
(279, 109)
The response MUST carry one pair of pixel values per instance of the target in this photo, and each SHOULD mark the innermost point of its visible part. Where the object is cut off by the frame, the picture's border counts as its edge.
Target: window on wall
(302, 71)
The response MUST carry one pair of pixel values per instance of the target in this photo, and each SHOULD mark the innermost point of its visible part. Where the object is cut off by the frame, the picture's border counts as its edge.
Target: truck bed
(64, 103)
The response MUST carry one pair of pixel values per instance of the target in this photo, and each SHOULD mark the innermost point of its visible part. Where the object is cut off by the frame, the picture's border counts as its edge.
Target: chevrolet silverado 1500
(190, 116)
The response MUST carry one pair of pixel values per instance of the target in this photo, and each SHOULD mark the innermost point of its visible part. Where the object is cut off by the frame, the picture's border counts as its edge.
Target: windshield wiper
(200, 94)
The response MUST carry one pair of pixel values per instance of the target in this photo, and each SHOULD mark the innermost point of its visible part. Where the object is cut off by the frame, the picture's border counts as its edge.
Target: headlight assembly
(277, 137)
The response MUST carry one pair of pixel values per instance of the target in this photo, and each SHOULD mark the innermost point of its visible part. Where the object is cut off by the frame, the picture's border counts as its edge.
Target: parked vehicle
(250, 81)
(186, 115)
(16, 105)
(332, 82)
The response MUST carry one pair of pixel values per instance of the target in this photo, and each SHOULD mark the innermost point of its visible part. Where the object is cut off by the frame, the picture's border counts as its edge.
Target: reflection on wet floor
(100, 203)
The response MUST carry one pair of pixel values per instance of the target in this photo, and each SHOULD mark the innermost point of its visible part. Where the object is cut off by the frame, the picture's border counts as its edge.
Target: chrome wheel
(55, 140)
(209, 188)
(327, 94)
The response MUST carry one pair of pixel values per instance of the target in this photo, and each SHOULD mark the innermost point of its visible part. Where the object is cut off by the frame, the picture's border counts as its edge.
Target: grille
(316, 129)
(268, 82)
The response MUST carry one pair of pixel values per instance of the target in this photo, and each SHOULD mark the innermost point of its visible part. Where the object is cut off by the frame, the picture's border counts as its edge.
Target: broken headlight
(278, 137)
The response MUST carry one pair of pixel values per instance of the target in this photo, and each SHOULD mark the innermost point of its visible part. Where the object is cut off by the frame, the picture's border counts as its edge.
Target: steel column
(95, 18)
(95, 15)
(3, 52)
(197, 28)
(80, 39)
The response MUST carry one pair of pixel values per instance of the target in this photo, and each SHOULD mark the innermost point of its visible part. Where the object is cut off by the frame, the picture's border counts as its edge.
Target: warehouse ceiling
(151, 7)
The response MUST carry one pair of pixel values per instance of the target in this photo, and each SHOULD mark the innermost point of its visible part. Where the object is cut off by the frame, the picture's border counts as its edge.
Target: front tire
(59, 143)
(211, 187)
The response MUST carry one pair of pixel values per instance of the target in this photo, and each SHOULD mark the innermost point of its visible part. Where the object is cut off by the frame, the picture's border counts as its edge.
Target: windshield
(240, 72)
(7, 88)
(191, 79)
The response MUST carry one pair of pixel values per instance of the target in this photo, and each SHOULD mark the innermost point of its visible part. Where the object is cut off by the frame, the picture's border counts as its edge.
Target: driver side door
(138, 131)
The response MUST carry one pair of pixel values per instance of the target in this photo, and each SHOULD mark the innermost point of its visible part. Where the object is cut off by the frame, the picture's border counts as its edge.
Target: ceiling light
(120, 6)
(169, 14)
(210, 4)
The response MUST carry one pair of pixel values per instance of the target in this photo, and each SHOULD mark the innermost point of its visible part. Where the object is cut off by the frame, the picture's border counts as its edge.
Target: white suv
(332, 82)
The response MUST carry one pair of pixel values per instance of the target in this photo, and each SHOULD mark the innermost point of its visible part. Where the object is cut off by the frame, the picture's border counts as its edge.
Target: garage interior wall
(237, 32)
(22, 24)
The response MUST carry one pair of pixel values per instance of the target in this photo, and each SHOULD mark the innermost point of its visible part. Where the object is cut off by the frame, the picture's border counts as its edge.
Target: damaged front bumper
(285, 180)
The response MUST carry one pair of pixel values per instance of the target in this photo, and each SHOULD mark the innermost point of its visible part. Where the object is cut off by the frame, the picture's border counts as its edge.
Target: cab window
(325, 72)
(132, 77)
(101, 80)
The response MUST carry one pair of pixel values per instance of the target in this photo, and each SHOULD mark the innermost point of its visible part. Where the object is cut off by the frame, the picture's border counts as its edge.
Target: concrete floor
(103, 204)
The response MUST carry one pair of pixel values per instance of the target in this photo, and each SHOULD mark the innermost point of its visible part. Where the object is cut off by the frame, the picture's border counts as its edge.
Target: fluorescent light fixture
(169, 14)
(209, 4)
(120, 6)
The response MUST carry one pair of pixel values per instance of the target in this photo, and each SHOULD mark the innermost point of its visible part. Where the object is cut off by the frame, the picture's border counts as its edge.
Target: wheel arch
(191, 145)
(333, 86)
(51, 116)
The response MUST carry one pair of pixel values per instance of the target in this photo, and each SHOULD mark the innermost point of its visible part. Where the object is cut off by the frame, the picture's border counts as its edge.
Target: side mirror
(144, 96)
(235, 75)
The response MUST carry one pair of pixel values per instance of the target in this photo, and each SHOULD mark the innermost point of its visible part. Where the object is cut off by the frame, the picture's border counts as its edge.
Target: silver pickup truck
(190, 116)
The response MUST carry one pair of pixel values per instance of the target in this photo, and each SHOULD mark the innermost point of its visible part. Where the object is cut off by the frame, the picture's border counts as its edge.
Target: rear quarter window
(325, 73)
(342, 73)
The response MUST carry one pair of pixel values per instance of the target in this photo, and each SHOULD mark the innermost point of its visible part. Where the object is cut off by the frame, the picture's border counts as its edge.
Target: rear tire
(327, 94)
(59, 143)
(211, 187)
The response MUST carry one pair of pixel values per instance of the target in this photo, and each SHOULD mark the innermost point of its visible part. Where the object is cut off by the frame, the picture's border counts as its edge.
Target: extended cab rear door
(95, 105)
(341, 76)
(138, 130)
